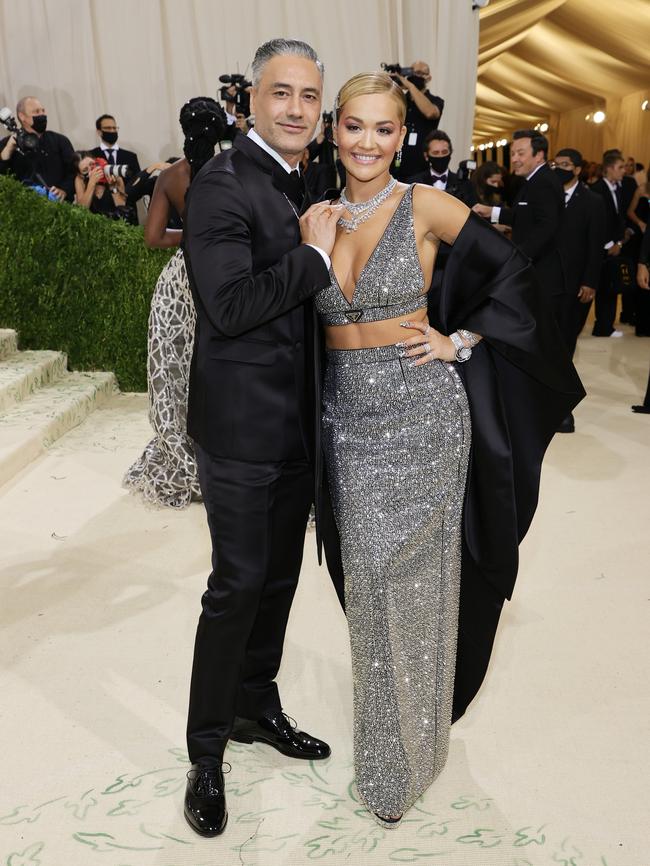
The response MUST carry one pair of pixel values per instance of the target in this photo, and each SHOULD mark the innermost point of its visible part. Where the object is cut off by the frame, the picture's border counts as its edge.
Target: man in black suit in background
(608, 187)
(536, 215)
(581, 243)
(252, 414)
(438, 150)
(581, 247)
(107, 132)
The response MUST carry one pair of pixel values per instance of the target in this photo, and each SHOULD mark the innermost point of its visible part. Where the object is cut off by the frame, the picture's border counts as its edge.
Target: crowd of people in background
(108, 180)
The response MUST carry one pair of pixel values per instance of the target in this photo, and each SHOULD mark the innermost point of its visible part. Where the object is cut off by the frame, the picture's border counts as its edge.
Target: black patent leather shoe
(277, 730)
(205, 801)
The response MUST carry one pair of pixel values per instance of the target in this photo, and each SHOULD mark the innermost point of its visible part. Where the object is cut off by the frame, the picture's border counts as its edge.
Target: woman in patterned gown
(399, 415)
(165, 473)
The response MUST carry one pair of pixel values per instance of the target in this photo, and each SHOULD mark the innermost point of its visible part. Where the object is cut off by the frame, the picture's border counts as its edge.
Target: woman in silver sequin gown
(166, 473)
(397, 433)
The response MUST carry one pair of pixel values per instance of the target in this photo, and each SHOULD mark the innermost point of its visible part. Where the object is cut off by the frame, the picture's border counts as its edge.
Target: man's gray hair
(279, 47)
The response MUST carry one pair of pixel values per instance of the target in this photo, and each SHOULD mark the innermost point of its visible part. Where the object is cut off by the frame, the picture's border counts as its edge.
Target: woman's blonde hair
(367, 83)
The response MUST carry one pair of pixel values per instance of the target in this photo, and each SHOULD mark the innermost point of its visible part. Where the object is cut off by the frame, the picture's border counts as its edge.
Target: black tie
(296, 188)
(437, 177)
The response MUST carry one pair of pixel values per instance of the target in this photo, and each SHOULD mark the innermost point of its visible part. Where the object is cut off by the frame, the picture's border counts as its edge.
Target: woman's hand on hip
(427, 345)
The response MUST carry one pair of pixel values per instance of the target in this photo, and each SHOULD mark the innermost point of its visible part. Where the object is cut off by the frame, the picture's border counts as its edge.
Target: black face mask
(109, 137)
(565, 174)
(439, 164)
(39, 123)
(418, 80)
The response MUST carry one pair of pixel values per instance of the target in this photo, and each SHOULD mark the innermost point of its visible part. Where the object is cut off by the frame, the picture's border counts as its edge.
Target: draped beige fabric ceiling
(539, 60)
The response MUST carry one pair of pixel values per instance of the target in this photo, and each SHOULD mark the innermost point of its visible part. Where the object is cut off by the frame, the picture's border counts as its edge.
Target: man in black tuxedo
(581, 247)
(581, 243)
(107, 132)
(628, 186)
(252, 414)
(536, 215)
(608, 187)
(438, 150)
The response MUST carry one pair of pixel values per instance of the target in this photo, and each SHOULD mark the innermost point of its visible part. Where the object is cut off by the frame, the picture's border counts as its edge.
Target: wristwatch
(463, 352)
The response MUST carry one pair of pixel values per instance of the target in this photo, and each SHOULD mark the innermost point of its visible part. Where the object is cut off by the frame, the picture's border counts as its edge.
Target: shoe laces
(292, 722)
(206, 781)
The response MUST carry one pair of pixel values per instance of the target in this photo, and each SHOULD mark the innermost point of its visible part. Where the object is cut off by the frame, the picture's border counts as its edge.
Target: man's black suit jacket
(460, 189)
(536, 220)
(253, 373)
(582, 239)
(122, 157)
(614, 220)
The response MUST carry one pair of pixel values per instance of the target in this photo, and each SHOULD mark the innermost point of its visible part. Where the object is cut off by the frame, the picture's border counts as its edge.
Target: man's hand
(59, 193)
(483, 210)
(614, 250)
(643, 276)
(318, 225)
(9, 149)
(586, 294)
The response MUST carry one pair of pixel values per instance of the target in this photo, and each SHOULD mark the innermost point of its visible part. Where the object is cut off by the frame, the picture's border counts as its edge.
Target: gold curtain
(555, 61)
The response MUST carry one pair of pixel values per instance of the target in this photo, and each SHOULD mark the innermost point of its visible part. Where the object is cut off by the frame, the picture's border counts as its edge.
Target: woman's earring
(398, 158)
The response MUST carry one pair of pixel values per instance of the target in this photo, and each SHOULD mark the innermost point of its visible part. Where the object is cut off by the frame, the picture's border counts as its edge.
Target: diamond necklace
(363, 210)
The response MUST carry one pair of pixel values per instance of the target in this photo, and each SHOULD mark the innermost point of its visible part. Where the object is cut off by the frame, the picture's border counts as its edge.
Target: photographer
(37, 155)
(324, 150)
(423, 114)
(96, 192)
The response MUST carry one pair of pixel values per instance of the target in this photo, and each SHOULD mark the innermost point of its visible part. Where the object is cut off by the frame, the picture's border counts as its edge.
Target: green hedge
(77, 282)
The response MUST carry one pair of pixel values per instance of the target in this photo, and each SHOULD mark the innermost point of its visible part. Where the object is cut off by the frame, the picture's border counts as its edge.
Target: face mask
(39, 123)
(439, 164)
(109, 137)
(565, 174)
(418, 80)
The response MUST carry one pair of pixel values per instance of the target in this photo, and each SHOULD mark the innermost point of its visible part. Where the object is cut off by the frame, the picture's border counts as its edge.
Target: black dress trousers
(257, 515)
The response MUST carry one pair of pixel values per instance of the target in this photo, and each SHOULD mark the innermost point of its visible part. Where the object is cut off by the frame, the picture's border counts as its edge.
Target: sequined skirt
(396, 442)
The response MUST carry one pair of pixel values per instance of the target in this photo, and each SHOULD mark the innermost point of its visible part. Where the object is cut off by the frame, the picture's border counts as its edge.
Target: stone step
(25, 372)
(30, 426)
(8, 343)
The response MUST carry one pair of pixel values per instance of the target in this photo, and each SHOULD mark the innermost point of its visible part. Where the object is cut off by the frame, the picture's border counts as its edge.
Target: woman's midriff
(369, 335)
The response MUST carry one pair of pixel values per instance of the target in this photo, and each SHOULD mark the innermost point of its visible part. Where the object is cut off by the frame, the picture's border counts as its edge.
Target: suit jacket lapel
(266, 163)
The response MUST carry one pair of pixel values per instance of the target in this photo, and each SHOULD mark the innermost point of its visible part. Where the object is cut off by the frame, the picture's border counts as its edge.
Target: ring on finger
(426, 349)
(427, 330)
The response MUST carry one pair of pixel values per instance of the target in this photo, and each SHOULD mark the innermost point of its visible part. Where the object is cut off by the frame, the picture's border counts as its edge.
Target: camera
(241, 97)
(395, 69)
(465, 169)
(328, 121)
(111, 171)
(26, 142)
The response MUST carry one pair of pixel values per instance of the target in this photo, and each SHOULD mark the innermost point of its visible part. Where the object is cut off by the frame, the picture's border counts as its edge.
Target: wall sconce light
(645, 105)
(599, 116)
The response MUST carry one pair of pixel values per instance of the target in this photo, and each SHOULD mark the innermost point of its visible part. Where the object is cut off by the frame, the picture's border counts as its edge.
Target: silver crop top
(391, 282)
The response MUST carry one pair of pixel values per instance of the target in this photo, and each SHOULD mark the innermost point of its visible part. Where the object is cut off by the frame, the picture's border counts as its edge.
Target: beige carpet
(100, 597)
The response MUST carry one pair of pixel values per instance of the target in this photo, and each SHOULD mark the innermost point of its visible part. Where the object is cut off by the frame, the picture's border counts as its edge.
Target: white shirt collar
(569, 192)
(535, 170)
(257, 138)
(613, 186)
(108, 147)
